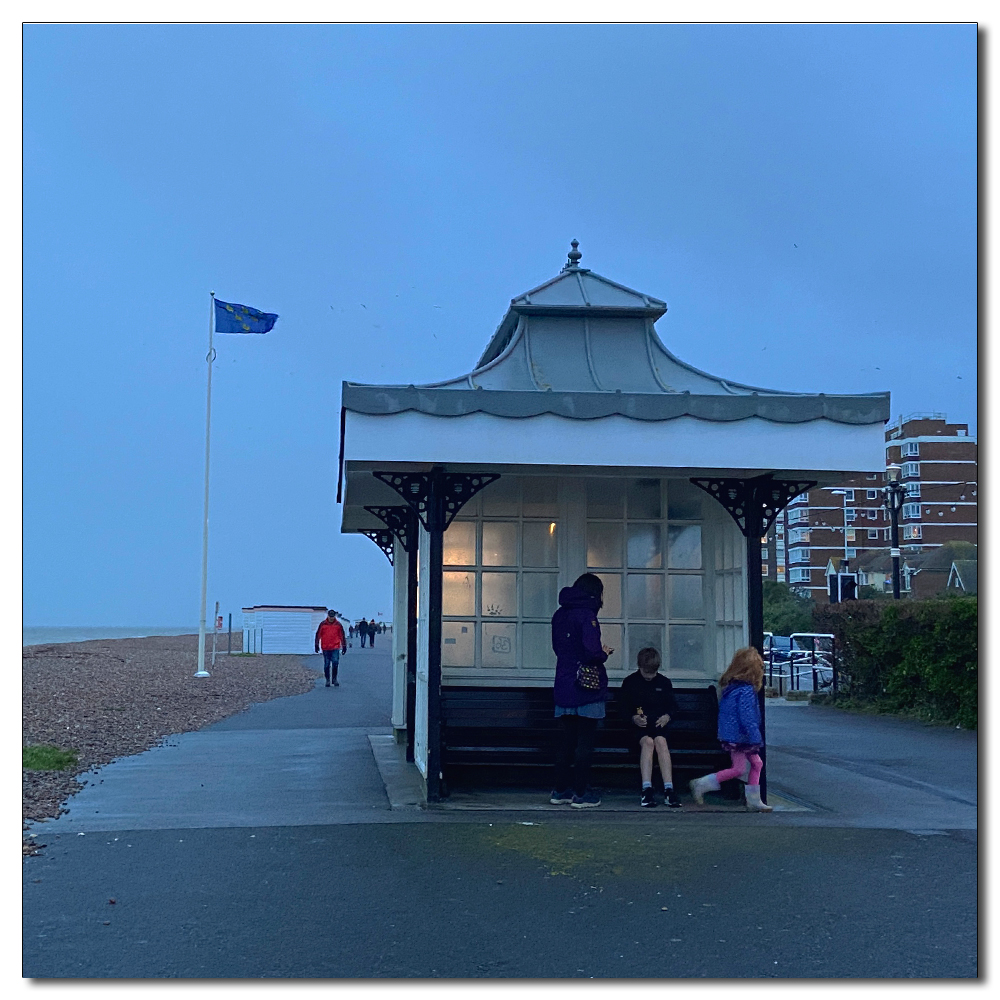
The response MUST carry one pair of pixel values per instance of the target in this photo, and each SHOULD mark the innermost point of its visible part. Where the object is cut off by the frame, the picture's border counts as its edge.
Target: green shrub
(43, 757)
(784, 611)
(918, 657)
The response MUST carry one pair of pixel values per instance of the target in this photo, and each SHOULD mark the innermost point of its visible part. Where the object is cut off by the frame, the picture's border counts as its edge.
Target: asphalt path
(291, 863)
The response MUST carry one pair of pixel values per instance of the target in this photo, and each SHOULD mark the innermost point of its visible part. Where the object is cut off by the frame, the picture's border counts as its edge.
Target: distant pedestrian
(580, 689)
(372, 629)
(363, 631)
(739, 728)
(330, 638)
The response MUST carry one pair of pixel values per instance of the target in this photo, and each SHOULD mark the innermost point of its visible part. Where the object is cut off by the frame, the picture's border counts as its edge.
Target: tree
(785, 612)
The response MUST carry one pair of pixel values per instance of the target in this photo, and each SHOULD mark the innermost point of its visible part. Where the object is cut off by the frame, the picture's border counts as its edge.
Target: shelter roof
(583, 346)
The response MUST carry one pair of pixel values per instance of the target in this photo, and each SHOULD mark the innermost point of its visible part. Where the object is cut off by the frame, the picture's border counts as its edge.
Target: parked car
(777, 648)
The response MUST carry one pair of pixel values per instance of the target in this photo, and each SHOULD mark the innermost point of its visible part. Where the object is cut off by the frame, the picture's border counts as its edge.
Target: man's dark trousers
(331, 663)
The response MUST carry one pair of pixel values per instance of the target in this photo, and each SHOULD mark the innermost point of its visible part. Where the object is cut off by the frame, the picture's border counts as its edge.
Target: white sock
(646, 784)
(667, 785)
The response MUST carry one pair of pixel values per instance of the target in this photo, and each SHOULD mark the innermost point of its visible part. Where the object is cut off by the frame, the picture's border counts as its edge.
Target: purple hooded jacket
(576, 639)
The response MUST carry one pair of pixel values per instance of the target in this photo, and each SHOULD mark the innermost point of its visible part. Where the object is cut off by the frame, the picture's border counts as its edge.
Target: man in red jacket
(330, 638)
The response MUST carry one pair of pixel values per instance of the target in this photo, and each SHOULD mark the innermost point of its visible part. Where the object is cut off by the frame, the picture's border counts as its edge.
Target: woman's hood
(573, 597)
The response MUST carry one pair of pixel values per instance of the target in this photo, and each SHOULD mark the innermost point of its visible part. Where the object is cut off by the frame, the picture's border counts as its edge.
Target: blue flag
(233, 318)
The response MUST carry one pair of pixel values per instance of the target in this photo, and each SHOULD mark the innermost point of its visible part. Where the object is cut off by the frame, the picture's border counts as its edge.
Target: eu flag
(233, 318)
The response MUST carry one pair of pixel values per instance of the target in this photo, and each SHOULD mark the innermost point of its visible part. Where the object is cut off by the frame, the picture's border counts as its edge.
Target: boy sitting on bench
(646, 700)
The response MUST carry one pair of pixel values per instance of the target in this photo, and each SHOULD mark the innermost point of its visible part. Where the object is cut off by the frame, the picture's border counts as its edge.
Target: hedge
(916, 657)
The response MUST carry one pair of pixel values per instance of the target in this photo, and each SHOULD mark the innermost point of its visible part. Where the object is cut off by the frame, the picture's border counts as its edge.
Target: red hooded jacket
(330, 635)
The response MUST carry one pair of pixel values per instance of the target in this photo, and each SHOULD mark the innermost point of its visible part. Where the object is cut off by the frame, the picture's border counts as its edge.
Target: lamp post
(893, 494)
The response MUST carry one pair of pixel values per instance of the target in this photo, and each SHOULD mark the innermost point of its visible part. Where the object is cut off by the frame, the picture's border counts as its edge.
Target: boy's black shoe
(648, 799)
(671, 798)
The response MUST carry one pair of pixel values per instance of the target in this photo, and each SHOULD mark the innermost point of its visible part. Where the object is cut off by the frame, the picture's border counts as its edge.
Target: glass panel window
(536, 646)
(605, 498)
(611, 636)
(502, 498)
(499, 544)
(685, 597)
(684, 546)
(644, 499)
(604, 545)
(460, 544)
(499, 595)
(539, 595)
(641, 636)
(499, 645)
(687, 649)
(683, 501)
(458, 595)
(612, 595)
(458, 644)
(539, 544)
(540, 497)
(644, 546)
(645, 595)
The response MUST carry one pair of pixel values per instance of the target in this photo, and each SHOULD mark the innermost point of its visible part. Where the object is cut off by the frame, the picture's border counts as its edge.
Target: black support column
(402, 522)
(435, 497)
(754, 504)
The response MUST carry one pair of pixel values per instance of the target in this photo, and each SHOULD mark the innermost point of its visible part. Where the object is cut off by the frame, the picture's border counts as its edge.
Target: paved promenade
(286, 842)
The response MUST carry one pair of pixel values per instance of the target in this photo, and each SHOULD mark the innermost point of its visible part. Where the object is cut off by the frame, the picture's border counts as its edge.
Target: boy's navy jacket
(576, 639)
(655, 697)
(739, 715)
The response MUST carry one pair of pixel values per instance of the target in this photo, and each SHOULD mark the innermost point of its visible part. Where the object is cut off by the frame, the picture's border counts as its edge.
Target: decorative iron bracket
(454, 489)
(754, 503)
(401, 522)
(383, 538)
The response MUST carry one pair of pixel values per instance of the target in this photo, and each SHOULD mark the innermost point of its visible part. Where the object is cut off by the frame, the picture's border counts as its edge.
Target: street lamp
(893, 499)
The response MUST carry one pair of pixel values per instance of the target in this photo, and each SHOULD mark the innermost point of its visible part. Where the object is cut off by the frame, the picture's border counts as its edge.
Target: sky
(803, 197)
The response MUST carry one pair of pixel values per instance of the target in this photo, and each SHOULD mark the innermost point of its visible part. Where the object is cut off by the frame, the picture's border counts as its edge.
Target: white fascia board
(547, 439)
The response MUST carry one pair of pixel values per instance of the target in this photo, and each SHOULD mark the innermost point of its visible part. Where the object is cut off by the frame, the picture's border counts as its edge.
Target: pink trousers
(739, 759)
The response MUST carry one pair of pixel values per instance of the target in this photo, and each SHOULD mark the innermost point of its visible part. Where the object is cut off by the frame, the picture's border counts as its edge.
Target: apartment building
(818, 530)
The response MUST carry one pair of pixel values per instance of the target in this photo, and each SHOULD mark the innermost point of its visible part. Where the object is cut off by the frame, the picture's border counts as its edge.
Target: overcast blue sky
(803, 198)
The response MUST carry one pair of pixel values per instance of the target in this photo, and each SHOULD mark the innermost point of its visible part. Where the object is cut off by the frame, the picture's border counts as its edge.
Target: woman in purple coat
(576, 639)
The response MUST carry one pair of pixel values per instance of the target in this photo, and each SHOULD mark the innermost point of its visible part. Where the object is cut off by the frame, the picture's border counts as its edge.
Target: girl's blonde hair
(748, 666)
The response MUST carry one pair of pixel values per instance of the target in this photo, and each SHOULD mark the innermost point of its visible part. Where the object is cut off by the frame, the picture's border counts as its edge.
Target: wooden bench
(512, 732)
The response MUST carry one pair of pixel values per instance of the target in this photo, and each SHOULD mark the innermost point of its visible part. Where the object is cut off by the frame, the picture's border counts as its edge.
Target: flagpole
(210, 357)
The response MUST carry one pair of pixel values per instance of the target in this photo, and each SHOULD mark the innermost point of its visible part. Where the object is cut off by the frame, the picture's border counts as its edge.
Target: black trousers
(575, 751)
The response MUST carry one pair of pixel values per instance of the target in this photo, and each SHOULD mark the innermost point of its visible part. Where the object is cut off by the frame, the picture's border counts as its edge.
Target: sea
(37, 635)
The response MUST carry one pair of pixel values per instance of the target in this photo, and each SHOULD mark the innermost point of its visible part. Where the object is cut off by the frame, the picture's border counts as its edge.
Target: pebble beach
(109, 698)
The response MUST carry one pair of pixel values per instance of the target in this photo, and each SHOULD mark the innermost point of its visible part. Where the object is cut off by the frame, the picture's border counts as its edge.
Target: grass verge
(43, 757)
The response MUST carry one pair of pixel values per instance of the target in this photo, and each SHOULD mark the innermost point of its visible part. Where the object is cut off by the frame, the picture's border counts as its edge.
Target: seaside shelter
(578, 442)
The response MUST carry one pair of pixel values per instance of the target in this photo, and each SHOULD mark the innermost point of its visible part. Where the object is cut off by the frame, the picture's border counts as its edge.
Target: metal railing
(818, 667)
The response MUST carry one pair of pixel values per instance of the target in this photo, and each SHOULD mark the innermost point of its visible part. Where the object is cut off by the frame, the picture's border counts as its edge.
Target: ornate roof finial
(574, 256)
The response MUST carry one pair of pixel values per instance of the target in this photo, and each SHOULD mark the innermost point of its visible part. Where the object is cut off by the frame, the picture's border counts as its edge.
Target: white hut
(578, 443)
(276, 628)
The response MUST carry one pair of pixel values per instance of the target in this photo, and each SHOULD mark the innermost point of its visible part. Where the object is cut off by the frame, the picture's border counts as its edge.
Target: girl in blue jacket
(739, 728)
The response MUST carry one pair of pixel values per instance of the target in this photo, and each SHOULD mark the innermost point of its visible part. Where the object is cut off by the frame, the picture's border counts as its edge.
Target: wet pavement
(288, 841)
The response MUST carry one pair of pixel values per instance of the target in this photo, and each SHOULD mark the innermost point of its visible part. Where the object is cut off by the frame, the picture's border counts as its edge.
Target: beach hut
(579, 442)
(277, 628)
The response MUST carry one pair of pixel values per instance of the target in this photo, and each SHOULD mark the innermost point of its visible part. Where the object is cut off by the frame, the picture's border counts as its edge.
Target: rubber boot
(710, 783)
(754, 803)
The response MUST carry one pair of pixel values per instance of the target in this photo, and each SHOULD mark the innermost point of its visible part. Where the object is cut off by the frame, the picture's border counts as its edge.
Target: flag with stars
(233, 318)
